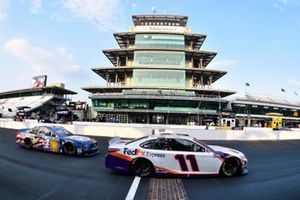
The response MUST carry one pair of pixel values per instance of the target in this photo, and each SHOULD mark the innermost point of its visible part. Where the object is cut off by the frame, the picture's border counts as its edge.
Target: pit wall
(138, 130)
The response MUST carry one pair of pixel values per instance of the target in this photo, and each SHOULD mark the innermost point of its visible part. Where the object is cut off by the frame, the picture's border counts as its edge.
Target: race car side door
(193, 158)
(163, 159)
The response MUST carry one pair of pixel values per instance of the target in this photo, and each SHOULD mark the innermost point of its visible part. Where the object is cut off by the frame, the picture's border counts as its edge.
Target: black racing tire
(27, 143)
(69, 149)
(142, 167)
(231, 167)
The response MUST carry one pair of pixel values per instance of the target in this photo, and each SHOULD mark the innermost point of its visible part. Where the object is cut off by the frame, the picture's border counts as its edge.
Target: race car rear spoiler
(117, 140)
(114, 140)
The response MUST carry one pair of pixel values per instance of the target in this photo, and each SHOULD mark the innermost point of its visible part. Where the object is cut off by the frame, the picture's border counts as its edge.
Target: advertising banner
(39, 81)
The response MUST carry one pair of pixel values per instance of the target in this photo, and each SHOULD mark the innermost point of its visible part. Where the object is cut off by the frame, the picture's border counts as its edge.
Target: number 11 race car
(174, 154)
(56, 139)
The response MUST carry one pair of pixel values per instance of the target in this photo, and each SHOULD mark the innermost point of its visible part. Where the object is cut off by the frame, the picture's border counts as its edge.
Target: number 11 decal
(183, 162)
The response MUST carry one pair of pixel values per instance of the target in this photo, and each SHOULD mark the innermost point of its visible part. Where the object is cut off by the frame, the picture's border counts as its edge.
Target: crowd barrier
(138, 130)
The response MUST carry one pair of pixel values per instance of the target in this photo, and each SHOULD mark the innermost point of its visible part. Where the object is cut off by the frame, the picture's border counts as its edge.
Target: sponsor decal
(139, 152)
(130, 152)
(54, 145)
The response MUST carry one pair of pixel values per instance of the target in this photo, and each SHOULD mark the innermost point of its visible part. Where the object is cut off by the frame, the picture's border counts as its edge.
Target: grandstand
(33, 101)
(253, 110)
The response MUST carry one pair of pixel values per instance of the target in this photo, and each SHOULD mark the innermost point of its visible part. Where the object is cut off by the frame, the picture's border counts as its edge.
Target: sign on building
(39, 81)
(169, 29)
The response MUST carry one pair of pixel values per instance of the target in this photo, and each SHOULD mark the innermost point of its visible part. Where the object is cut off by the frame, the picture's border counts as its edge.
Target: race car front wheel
(142, 167)
(69, 149)
(231, 167)
(27, 143)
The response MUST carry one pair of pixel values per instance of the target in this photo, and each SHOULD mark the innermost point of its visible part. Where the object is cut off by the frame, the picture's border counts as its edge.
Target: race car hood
(81, 139)
(228, 151)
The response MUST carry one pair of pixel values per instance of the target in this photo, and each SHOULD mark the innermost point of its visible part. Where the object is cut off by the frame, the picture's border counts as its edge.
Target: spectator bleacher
(9, 106)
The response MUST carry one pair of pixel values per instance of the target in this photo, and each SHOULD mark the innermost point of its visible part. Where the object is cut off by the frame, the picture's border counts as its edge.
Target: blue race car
(56, 139)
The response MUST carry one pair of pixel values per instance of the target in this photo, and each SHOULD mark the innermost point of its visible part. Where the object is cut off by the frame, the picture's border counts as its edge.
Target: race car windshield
(61, 131)
(203, 144)
(136, 140)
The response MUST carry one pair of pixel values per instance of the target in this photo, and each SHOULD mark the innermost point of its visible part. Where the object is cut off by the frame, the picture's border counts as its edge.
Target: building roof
(206, 73)
(46, 89)
(124, 37)
(174, 20)
(267, 101)
(206, 56)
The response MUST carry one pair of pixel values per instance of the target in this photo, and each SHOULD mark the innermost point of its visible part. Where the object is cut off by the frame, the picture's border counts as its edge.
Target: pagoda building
(159, 76)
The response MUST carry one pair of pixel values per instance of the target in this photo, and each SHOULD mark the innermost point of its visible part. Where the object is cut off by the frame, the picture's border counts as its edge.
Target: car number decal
(182, 159)
(46, 143)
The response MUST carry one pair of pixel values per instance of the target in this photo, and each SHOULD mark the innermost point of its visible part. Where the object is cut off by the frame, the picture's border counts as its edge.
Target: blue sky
(258, 41)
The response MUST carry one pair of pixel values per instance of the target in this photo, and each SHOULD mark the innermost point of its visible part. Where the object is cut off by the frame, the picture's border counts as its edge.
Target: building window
(159, 41)
(159, 59)
(164, 78)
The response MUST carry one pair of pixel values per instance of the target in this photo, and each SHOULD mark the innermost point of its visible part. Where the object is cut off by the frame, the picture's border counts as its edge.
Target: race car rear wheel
(69, 149)
(142, 167)
(231, 167)
(27, 143)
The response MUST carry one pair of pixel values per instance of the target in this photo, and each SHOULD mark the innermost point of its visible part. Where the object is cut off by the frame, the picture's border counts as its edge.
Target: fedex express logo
(142, 153)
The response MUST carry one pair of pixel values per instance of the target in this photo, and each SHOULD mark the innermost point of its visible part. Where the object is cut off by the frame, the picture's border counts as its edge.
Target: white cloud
(104, 14)
(285, 2)
(3, 7)
(222, 64)
(36, 6)
(281, 4)
(133, 5)
(294, 82)
(57, 63)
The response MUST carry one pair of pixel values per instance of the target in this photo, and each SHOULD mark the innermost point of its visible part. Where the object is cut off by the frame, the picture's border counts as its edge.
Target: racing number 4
(182, 159)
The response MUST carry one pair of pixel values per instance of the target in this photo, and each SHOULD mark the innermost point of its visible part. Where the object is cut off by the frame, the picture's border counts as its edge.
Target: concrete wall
(138, 130)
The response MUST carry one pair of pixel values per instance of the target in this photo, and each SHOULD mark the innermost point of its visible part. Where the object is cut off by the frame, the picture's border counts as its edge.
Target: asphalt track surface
(27, 174)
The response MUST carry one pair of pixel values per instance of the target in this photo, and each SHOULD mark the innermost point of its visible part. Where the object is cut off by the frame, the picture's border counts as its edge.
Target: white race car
(175, 154)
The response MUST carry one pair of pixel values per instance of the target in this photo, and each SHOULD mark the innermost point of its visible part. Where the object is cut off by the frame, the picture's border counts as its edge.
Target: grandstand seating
(9, 107)
(269, 100)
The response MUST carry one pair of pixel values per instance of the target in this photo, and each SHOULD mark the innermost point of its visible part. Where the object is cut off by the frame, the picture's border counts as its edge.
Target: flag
(247, 84)
(282, 90)
(153, 9)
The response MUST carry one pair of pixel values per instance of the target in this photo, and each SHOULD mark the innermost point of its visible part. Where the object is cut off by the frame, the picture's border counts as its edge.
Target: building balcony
(113, 84)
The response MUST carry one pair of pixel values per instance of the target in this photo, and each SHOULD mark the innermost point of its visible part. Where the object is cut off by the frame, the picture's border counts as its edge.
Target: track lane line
(133, 188)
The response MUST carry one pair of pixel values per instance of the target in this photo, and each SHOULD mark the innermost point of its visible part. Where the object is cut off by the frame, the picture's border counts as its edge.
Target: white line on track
(133, 188)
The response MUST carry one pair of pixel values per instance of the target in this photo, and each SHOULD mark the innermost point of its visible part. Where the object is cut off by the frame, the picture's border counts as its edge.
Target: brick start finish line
(166, 189)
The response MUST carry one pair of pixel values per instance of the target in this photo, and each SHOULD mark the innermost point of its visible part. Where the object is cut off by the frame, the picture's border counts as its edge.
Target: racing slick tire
(142, 167)
(69, 149)
(27, 143)
(231, 167)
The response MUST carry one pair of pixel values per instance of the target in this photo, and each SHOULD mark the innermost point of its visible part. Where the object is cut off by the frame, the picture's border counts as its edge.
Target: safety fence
(138, 130)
